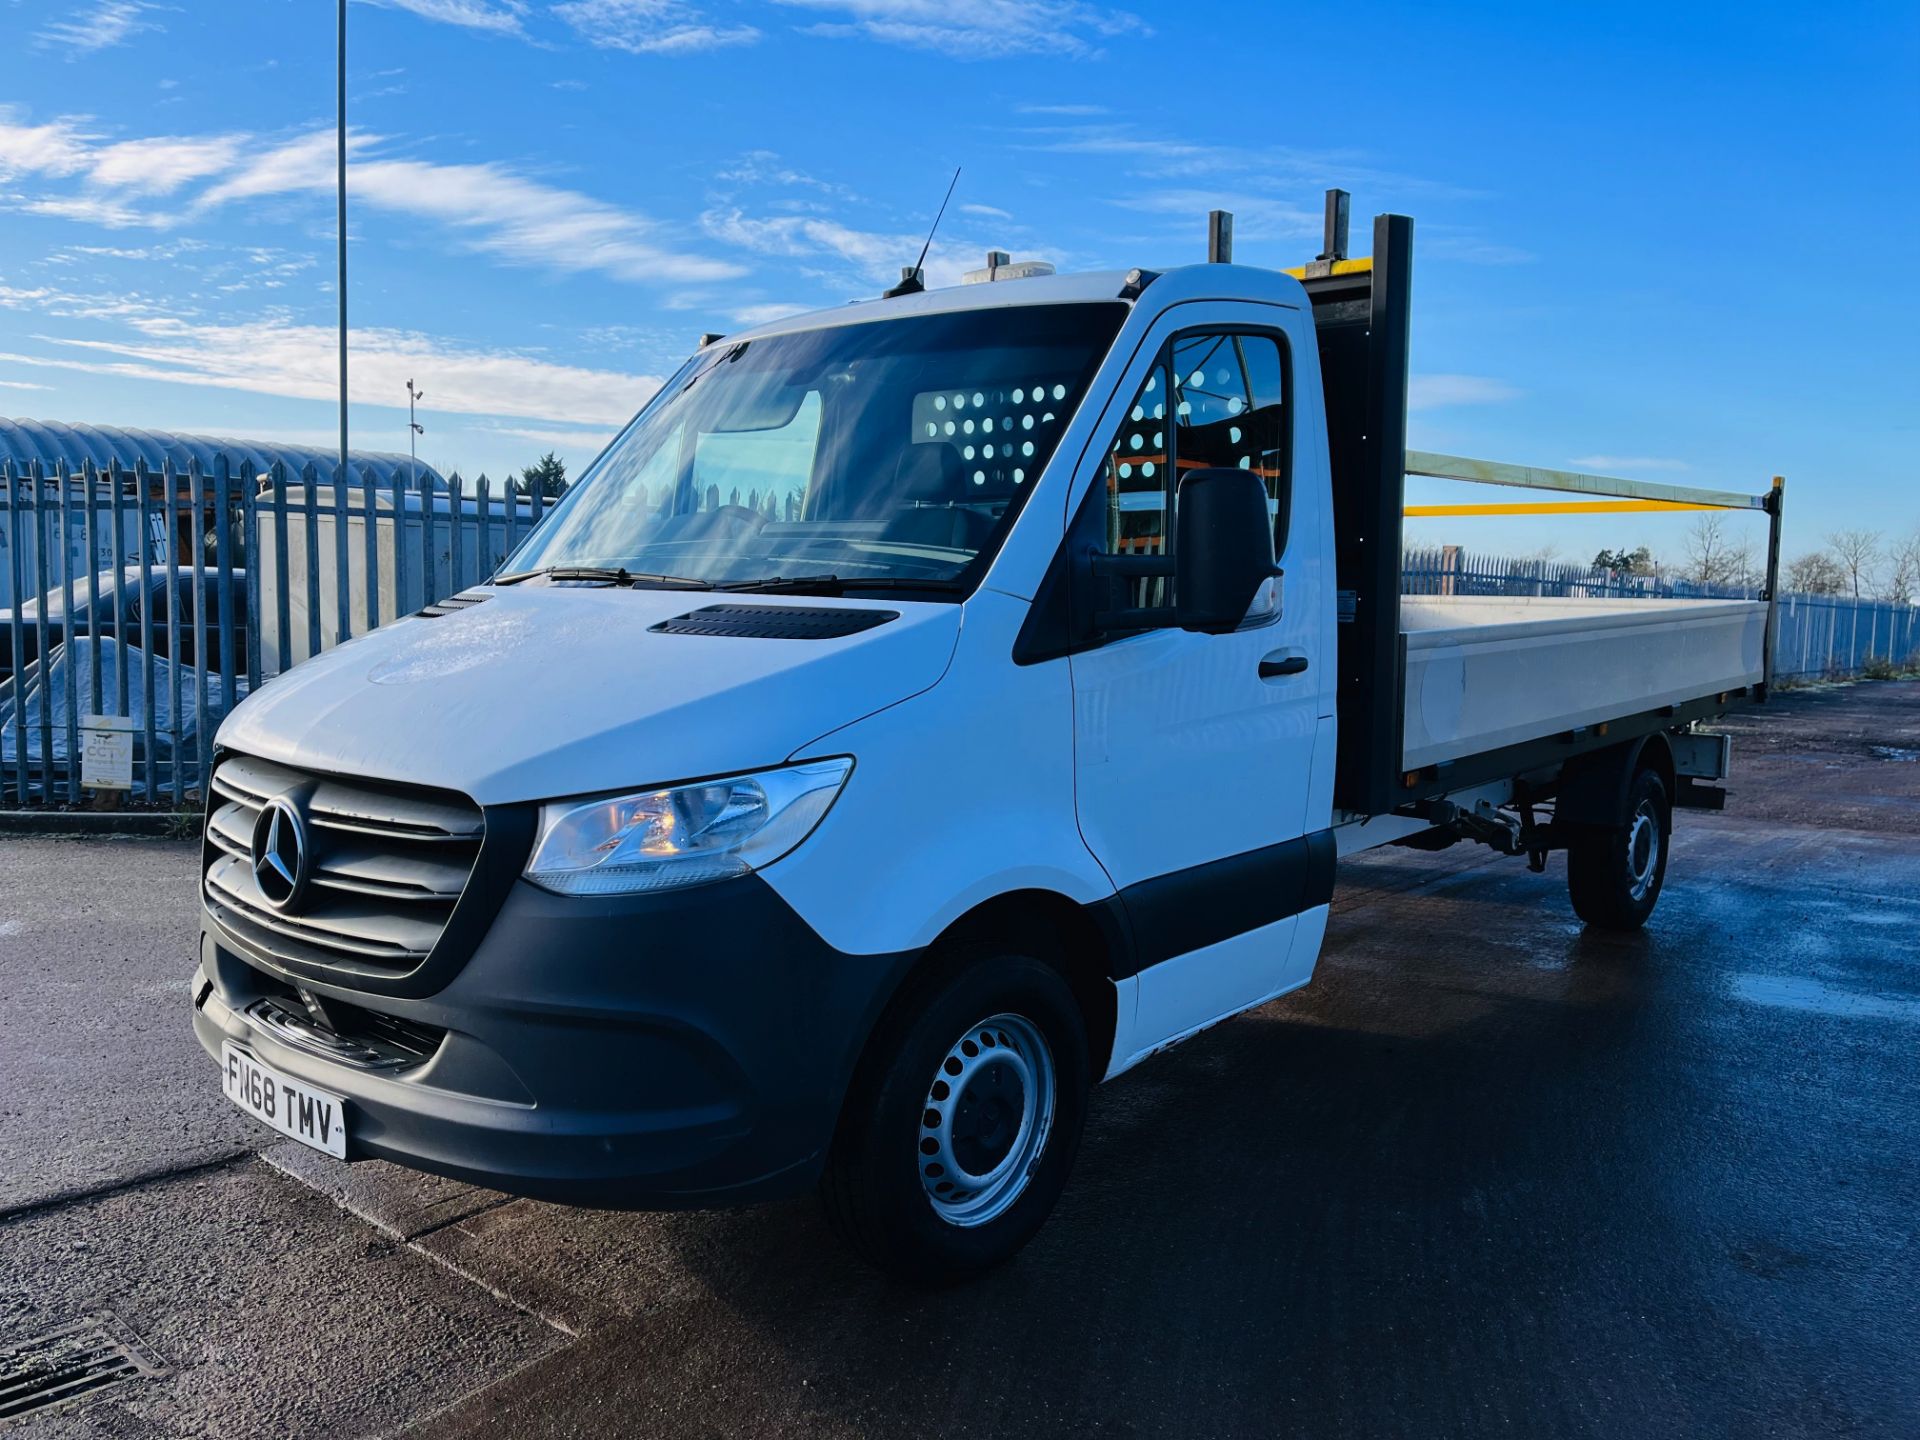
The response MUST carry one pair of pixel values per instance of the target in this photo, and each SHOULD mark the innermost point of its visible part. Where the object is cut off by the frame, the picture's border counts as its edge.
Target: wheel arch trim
(1593, 788)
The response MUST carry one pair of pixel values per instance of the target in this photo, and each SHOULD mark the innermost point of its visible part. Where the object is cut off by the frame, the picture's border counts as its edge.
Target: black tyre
(1614, 873)
(962, 1123)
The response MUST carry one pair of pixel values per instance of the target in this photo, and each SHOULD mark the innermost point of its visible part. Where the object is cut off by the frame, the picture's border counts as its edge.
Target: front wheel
(961, 1127)
(1614, 874)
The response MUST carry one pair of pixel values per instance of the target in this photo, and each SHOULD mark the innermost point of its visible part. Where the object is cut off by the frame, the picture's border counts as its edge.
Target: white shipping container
(84, 550)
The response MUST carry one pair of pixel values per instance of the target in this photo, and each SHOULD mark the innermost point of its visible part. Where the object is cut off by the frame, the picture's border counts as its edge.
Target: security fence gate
(144, 604)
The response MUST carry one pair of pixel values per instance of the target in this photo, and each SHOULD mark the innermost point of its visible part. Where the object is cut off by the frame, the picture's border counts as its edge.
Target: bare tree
(1903, 576)
(1713, 557)
(1815, 573)
(1858, 552)
(1741, 567)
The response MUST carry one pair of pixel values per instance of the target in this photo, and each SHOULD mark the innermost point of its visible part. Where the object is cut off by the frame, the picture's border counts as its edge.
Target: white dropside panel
(1483, 672)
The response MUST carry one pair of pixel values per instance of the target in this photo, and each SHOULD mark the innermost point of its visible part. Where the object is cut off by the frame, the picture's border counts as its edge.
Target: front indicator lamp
(684, 834)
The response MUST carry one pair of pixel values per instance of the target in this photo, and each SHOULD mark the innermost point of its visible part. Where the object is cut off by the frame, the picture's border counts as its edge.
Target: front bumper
(637, 1052)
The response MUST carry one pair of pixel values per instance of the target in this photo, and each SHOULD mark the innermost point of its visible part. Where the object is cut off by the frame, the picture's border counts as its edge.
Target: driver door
(1194, 752)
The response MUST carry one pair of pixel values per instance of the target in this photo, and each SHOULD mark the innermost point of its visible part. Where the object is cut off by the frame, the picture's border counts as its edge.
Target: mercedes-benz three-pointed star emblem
(280, 853)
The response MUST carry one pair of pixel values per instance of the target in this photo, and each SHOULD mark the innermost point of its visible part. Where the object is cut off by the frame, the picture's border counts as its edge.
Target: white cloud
(1432, 392)
(1273, 170)
(169, 250)
(59, 149)
(1628, 462)
(765, 167)
(304, 163)
(274, 356)
(1151, 153)
(56, 148)
(528, 222)
(22, 385)
(1255, 217)
(498, 211)
(1062, 109)
(876, 257)
(650, 27)
(493, 208)
(109, 23)
(108, 213)
(986, 212)
(797, 235)
(978, 29)
(499, 16)
(161, 165)
(582, 441)
(751, 315)
(69, 306)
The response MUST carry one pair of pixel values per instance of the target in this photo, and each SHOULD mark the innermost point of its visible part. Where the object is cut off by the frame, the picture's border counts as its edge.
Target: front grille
(411, 1040)
(346, 1033)
(386, 866)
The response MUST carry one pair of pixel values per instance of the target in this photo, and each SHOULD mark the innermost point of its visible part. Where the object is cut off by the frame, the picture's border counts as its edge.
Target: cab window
(1230, 406)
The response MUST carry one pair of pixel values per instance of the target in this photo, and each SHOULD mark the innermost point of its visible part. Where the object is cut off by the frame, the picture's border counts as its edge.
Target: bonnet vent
(775, 622)
(453, 604)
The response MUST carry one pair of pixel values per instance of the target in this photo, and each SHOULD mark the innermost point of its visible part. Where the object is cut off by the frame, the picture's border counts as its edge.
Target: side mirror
(1223, 551)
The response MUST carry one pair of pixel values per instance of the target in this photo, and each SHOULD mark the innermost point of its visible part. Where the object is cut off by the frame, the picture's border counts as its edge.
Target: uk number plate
(293, 1107)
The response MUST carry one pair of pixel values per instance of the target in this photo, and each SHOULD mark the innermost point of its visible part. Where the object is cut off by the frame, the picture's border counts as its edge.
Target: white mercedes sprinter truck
(923, 710)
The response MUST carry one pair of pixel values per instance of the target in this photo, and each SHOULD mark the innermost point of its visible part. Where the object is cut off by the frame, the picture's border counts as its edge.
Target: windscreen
(893, 451)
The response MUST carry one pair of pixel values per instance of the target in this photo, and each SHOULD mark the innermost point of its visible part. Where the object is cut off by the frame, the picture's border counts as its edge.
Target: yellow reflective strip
(1578, 507)
(1363, 265)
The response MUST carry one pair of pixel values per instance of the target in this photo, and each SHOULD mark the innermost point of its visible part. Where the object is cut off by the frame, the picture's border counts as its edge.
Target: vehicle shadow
(1354, 1211)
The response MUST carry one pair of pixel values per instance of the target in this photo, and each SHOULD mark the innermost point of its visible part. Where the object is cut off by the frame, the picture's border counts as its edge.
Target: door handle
(1282, 662)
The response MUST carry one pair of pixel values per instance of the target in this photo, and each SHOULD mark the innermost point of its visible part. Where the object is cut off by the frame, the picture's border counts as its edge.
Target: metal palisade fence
(1449, 570)
(142, 605)
(1836, 636)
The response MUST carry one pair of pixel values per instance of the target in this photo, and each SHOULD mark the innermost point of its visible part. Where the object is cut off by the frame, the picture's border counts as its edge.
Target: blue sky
(1671, 242)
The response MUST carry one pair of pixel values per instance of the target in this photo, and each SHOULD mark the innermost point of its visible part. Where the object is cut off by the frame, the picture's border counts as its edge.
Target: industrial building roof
(54, 443)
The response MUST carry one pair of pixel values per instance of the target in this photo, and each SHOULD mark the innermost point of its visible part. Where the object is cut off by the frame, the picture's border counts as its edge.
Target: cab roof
(1183, 283)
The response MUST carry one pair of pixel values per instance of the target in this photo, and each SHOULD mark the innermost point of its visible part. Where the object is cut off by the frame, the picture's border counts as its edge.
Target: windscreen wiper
(839, 584)
(606, 574)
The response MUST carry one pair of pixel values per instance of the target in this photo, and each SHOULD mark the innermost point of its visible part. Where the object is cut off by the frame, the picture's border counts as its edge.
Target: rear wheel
(1614, 873)
(962, 1125)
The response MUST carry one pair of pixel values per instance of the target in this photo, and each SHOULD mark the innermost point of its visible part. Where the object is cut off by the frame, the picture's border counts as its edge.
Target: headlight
(686, 835)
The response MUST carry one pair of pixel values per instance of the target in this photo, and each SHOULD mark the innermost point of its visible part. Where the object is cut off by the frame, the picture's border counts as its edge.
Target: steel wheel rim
(984, 1126)
(1643, 849)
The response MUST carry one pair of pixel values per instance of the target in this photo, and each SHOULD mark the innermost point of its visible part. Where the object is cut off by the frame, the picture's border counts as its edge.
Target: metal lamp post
(340, 118)
(414, 430)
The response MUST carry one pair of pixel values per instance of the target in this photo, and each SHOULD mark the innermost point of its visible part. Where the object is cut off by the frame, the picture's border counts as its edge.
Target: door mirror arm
(1222, 564)
(1222, 569)
(1109, 568)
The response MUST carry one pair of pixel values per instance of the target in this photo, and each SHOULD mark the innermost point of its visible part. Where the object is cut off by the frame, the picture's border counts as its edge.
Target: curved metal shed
(52, 442)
